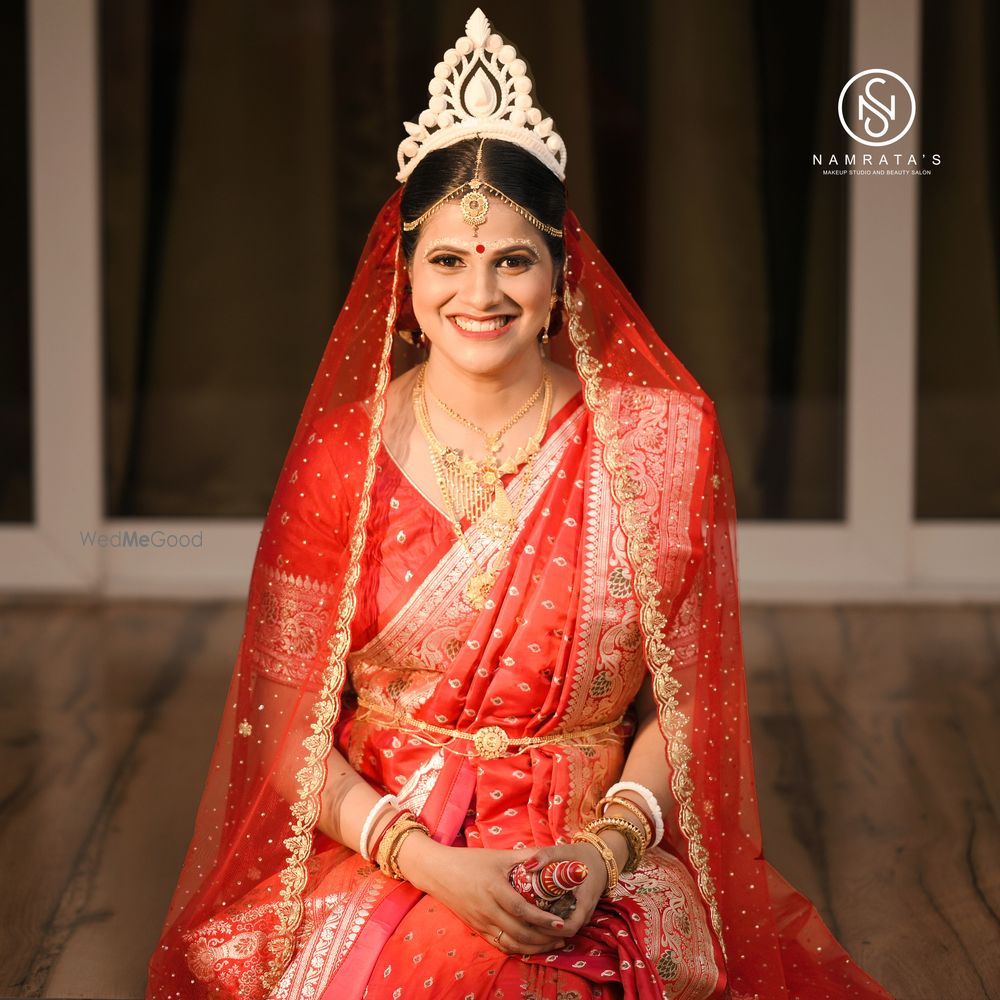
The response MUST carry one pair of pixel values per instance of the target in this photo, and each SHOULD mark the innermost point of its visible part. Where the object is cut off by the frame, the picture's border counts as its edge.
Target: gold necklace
(503, 520)
(494, 441)
(475, 487)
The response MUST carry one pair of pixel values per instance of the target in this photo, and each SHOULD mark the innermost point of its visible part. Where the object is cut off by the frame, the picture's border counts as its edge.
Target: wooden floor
(875, 735)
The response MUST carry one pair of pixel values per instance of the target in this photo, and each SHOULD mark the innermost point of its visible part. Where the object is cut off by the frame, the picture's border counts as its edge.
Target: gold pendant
(478, 590)
(502, 509)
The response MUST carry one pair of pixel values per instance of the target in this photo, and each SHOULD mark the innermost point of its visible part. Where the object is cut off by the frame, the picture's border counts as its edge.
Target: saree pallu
(556, 650)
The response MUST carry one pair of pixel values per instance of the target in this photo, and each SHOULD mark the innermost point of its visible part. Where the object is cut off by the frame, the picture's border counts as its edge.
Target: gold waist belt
(488, 743)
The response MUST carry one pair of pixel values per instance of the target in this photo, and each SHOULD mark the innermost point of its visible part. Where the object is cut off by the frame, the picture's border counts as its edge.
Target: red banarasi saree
(558, 648)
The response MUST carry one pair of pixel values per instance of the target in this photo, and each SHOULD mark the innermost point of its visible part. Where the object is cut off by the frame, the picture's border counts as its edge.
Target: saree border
(311, 777)
(641, 547)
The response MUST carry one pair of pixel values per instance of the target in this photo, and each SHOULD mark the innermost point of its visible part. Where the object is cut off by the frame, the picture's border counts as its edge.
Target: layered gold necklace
(475, 489)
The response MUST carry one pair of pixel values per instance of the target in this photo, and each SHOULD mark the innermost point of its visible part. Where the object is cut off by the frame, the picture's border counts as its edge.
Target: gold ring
(496, 940)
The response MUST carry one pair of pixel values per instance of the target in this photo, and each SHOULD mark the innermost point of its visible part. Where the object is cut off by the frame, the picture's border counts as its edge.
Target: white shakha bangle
(651, 804)
(366, 830)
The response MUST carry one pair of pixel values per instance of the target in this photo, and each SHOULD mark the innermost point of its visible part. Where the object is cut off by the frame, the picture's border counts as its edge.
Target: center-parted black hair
(509, 167)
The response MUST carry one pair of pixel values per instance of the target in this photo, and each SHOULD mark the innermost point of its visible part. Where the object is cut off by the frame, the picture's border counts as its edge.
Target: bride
(493, 623)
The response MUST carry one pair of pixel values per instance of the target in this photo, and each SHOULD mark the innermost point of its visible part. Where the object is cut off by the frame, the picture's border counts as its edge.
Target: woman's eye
(515, 260)
(446, 259)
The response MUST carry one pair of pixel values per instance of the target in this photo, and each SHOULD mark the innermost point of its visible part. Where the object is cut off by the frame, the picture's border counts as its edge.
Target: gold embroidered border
(312, 776)
(641, 547)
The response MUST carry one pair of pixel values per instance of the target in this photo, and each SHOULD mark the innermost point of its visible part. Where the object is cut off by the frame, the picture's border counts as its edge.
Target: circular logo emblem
(877, 107)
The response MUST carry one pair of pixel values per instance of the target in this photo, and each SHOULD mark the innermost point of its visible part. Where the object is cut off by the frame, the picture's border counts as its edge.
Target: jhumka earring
(544, 335)
(415, 338)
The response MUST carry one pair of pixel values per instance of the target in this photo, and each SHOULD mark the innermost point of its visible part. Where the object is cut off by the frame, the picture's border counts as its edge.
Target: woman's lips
(482, 334)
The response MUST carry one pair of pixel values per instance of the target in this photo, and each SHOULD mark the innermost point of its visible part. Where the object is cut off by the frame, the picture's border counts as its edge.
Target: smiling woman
(482, 303)
(495, 287)
(493, 624)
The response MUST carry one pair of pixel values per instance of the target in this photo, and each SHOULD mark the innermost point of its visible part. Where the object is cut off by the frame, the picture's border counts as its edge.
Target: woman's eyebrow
(469, 246)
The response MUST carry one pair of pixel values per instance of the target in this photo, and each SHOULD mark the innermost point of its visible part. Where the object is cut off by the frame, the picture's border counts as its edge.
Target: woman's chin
(482, 356)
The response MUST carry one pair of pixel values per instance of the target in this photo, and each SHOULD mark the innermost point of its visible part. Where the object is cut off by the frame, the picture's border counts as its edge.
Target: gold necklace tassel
(474, 489)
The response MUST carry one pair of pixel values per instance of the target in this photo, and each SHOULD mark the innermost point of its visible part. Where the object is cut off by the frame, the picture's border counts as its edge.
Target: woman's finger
(516, 939)
(514, 904)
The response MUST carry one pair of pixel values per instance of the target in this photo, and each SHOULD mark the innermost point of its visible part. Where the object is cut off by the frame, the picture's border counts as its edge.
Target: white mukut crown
(481, 87)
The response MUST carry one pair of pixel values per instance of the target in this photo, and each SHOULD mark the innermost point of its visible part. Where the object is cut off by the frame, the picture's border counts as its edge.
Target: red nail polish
(531, 865)
(558, 924)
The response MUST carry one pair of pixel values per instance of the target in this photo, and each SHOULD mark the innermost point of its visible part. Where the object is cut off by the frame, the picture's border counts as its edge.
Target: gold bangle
(387, 848)
(607, 856)
(398, 846)
(382, 857)
(624, 803)
(634, 839)
(392, 860)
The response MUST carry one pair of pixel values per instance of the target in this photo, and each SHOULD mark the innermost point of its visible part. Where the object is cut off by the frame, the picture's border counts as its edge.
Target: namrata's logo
(877, 107)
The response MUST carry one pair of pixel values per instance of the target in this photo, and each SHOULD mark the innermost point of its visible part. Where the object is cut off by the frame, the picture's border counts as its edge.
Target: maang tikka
(475, 206)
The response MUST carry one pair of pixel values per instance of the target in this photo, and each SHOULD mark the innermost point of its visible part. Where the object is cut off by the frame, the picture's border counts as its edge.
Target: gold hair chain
(475, 205)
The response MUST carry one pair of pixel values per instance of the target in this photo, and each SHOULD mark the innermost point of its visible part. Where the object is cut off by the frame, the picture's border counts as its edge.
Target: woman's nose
(483, 289)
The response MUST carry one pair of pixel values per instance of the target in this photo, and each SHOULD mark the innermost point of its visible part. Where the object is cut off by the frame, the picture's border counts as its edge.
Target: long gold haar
(475, 489)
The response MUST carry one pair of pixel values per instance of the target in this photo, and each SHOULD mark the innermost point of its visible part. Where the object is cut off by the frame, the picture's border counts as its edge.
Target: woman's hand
(588, 894)
(473, 884)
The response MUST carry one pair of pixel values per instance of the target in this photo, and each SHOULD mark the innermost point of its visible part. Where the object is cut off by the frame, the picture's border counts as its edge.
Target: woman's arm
(644, 765)
(345, 803)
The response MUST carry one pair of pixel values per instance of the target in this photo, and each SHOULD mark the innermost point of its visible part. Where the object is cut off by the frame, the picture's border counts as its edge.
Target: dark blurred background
(247, 146)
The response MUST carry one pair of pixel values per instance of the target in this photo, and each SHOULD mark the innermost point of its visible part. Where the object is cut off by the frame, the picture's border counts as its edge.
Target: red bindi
(480, 248)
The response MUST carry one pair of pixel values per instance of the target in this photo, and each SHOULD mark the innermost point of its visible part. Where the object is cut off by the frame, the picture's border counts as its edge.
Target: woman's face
(481, 301)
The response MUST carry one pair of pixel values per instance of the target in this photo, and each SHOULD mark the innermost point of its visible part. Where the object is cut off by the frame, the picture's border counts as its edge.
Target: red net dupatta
(254, 838)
